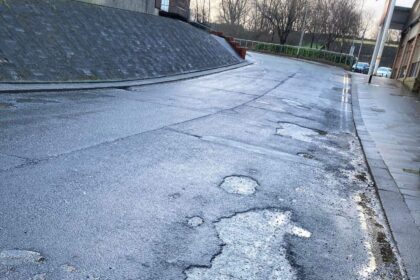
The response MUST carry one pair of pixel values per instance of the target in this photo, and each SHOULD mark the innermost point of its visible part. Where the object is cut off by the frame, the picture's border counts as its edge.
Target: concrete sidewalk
(387, 120)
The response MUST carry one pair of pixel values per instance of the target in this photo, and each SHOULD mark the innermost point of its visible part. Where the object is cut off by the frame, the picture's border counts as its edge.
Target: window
(165, 5)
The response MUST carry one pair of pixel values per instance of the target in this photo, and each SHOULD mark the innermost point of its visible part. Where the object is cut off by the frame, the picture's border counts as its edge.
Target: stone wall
(64, 40)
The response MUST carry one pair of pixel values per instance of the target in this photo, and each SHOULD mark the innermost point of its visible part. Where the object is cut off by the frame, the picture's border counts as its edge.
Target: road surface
(254, 173)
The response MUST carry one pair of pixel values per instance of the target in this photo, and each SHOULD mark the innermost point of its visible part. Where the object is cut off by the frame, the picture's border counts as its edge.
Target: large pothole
(298, 132)
(254, 247)
(242, 185)
(17, 257)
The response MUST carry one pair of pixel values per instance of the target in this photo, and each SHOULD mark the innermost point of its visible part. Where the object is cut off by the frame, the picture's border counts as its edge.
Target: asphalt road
(255, 173)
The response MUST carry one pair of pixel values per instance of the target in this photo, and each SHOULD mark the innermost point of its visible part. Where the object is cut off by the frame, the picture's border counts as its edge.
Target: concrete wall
(65, 40)
(144, 6)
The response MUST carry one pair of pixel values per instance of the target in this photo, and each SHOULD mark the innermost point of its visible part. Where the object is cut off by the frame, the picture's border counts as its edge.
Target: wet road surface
(254, 173)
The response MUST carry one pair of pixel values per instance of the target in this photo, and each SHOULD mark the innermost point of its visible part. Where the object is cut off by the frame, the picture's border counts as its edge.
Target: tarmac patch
(242, 185)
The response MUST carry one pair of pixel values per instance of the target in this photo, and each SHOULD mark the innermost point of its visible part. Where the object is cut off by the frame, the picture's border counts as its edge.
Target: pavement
(253, 173)
(387, 116)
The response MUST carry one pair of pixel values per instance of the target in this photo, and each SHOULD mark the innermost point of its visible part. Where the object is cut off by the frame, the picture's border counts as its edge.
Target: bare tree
(257, 23)
(200, 11)
(341, 19)
(234, 12)
(282, 14)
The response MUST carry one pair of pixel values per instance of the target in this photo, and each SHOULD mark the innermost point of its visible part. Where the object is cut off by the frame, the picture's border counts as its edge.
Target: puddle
(254, 247)
(17, 257)
(242, 185)
(298, 132)
(195, 221)
(35, 100)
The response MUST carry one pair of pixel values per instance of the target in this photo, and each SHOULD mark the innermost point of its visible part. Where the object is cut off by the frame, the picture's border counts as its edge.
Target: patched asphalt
(254, 173)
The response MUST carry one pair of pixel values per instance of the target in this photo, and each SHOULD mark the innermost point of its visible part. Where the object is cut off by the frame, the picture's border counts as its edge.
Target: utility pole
(361, 44)
(209, 14)
(380, 42)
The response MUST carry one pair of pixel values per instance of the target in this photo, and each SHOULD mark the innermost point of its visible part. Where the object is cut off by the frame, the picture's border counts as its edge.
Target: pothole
(68, 268)
(298, 132)
(362, 176)
(294, 103)
(174, 196)
(376, 109)
(41, 276)
(305, 155)
(6, 105)
(381, 256)
(3, 60)
(412, 171)
(242, 185)
(254, 247)
(17, 257)
(195, 221)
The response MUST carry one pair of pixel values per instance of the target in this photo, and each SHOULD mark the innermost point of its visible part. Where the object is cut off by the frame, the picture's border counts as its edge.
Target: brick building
(407, 62)
(180, 8)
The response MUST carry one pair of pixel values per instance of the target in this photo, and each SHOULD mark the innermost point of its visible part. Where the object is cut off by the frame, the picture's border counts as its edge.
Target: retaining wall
(65, 40)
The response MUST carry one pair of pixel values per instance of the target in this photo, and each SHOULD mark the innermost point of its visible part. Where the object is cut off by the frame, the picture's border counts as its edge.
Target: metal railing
(335, 58)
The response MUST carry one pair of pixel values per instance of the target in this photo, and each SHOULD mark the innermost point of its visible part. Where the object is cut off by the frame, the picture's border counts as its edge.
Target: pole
(375, 53)
(209, 14)
(386, 32)
(302, 34)
(361, 45)
(376, 58)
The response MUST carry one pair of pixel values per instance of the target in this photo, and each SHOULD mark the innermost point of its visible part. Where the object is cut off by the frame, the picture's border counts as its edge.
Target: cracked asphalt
(254, 173)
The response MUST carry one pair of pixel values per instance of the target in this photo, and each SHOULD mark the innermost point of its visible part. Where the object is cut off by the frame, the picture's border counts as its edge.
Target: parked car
(361, 67)
(384, 72)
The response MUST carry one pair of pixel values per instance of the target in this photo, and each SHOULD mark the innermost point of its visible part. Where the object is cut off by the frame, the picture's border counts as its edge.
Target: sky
(376, 7)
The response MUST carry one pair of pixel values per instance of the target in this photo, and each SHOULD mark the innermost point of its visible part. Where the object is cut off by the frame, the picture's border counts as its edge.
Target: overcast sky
(376, 7)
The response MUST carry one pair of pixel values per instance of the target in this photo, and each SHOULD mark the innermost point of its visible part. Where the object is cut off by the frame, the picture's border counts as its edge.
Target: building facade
(406, 66)
(143, 6)
(179, 8)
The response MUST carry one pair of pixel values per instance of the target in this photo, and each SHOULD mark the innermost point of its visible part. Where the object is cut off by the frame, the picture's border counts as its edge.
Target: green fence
(335, 58)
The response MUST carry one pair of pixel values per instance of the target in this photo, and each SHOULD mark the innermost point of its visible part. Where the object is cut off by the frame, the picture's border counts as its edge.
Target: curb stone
(403, 228)
(68, 86)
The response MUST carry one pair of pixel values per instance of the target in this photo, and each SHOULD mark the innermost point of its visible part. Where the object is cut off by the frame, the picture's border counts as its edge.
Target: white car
(384, 72)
